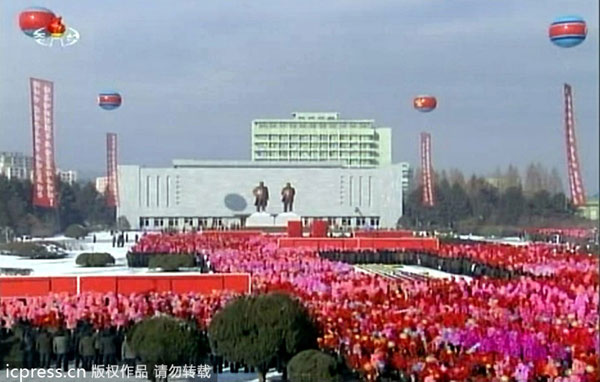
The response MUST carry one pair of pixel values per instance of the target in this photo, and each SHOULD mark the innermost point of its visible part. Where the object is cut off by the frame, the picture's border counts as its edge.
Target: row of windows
(351, 162)
(175, 222)
(363, 146)
(321, 125)
(323, 154)
(316, 137)
(212, 222)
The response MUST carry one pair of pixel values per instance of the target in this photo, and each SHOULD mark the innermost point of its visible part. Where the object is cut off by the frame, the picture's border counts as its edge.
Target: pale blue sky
(193, 74)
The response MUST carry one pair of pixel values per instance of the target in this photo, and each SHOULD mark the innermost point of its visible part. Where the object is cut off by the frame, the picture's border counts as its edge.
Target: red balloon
(33, 19)
(425, 103)
(56, 27)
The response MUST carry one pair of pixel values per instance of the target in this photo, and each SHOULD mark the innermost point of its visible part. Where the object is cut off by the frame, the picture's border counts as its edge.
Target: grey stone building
(210, 194)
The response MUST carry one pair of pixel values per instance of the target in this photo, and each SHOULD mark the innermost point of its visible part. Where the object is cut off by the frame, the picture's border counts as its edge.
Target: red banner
(112, 184)
(426, 170)
(42, 119)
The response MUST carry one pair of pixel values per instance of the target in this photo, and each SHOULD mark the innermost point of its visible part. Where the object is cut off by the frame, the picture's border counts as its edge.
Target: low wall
(397, 233)
(359, 243)
(24, 286)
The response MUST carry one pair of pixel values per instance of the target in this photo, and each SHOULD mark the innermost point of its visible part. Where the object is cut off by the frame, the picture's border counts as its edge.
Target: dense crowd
(580, 233)
(50, 345)
(540, 326)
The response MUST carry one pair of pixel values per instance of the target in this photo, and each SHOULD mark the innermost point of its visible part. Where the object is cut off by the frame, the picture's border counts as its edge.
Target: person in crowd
(127, 354)
(60, 347)
(87, 350)
(97, 347)
(28, 347)
(108, 347)
(43, 347)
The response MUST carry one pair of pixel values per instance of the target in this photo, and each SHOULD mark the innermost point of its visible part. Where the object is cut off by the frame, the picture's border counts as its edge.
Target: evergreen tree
(260, 330)
(77, 205)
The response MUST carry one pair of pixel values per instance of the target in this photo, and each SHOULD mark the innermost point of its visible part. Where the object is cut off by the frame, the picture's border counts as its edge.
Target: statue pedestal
(283, 218)
(260, 219)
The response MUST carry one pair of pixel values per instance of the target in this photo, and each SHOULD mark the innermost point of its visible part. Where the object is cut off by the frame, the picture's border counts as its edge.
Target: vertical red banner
(426, 170)
(574, 170)
(112, 184)
(42, 120)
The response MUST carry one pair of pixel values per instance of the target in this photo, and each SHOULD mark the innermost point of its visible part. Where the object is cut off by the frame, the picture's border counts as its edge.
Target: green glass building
(321, 137)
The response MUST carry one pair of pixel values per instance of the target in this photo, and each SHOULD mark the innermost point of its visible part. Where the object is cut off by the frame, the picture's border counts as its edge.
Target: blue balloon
(567, 31)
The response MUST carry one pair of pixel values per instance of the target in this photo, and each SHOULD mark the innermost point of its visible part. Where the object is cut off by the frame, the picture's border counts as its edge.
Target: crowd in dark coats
(455, 265)
(43, 347)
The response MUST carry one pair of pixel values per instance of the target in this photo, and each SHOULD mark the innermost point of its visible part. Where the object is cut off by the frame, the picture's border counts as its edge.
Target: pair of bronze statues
(261, 197)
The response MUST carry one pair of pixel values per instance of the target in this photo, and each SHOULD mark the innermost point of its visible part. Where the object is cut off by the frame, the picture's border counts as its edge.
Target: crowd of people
(541, 324)
(54, 345)
(579, 233)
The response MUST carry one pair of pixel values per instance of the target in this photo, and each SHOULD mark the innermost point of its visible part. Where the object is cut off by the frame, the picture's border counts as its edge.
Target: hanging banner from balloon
(576, 189)
(42, 117)
(426, 170)
(112, 184)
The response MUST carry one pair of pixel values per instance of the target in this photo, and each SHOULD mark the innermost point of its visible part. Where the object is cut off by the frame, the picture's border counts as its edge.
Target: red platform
(294, 228)
(385, 233)
(23, 286)
(319, 228)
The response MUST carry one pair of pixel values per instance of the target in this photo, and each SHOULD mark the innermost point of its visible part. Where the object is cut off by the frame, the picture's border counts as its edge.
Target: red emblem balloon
(56, 28)
(425, 103)
(36, 18)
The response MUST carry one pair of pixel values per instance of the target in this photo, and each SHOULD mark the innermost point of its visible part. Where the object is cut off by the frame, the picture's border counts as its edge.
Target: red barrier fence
(360, 243)
(22, 286)
(385, 233)
(233, 233)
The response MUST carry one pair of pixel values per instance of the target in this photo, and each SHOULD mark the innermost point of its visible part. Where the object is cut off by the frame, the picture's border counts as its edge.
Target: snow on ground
(67, 266)
(433, 273)
(502, 240)
(397, 271)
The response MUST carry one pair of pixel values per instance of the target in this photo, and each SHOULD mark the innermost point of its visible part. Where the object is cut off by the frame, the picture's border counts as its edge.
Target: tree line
(502, 199)
(78, 204)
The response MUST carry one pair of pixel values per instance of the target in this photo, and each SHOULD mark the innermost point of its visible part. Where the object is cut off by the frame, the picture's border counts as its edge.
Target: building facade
(67, 176)
(321, 137)
(407, 173)
(101, 183)
(590, 210)
(15, 165)
(193, 194)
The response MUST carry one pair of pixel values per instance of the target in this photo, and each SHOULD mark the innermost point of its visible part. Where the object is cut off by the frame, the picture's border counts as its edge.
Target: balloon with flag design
(567, 31)
(109, 100)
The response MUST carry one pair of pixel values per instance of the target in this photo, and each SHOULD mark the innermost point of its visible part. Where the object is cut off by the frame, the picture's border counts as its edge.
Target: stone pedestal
(260, 219)
(282, 219)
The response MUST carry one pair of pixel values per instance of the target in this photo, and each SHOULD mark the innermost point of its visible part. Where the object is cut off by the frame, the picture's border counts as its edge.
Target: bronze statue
(261, 195)
(287, 197)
